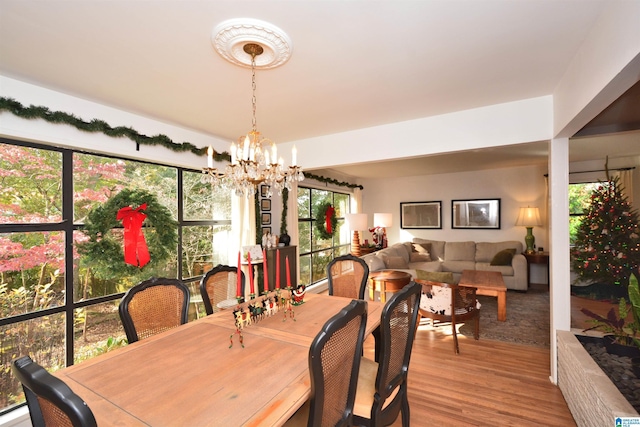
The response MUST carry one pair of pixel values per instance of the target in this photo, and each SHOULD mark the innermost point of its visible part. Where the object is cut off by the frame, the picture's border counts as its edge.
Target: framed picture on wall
(265, 205)
(478, 213)
(266, 219)
(421, 215)
(264, 189)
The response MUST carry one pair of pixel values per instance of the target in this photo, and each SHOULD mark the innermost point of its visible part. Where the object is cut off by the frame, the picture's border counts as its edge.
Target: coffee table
(487, 283)
(385, 281)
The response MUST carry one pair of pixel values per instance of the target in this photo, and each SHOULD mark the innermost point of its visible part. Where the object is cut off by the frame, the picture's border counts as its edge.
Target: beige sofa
(453, 257)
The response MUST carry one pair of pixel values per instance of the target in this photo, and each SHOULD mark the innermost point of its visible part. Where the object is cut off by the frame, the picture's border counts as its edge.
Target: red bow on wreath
(327, 217)
(135, 247)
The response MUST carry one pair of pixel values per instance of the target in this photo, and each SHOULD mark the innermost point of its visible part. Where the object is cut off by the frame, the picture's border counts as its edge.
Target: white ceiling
(354, 64)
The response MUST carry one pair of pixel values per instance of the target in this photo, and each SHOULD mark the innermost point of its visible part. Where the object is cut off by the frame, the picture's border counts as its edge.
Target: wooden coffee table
(488, 283)
(385, 281)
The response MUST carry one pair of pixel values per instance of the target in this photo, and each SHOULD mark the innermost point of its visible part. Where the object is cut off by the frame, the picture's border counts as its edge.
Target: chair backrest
(347, 276)
(334, 361)
(397, 332)
(438, 298)
(153, 306)
(219, 284)
(51, 402)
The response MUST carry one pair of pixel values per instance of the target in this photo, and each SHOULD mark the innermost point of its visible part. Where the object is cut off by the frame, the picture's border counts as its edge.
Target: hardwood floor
(489, 383)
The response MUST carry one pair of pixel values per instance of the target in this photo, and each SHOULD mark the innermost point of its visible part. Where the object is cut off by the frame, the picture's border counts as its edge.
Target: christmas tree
(607, 246)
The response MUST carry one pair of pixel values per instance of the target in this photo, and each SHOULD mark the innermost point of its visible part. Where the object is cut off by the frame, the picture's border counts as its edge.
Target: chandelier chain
(253, 87)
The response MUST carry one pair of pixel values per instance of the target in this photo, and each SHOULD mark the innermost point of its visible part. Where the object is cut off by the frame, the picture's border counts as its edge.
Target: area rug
(527, 318)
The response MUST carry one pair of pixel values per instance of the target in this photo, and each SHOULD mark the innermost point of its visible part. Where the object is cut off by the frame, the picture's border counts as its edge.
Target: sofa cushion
(435, 276)
(394, 262)
(437, 248)
(505, 270)
(458, 266)
(421, 248)
(503, 257)
(375, 263)
(402, 250)
(485, 251)
(419, 257)
(460, 251)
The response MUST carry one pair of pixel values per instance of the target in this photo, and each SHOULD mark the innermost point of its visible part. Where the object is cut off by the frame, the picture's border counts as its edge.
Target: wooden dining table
(188, 376)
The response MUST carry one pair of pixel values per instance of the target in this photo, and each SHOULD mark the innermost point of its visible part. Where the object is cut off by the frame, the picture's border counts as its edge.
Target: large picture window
(316, 252)
(54, 304)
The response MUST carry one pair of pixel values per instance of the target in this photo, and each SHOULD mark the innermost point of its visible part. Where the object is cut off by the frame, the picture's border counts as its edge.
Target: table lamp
(529, 217)
(356, 222)
(380, 222)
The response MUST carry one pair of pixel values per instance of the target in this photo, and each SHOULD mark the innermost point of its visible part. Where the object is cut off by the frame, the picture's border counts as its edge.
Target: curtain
(243, 225)
(626, 182)
(292, 221)
(356, 205)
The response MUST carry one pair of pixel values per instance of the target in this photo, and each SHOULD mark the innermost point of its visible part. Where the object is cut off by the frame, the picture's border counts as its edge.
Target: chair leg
(405, 410)
(456, 349)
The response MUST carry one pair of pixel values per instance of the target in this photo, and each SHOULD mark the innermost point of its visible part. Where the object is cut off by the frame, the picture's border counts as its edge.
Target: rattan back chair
(382, 387)
(153, 306)
(347, 276)
(51, 402)
(219, 284)
(445, 302)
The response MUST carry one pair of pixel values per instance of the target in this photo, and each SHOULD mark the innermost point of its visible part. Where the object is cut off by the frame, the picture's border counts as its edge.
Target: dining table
(201, 374)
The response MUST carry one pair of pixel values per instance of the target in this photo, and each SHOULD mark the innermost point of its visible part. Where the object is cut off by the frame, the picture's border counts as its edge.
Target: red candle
(264, 271)
(239, 286)
(277, 268)
(286, 261)
(251, 288)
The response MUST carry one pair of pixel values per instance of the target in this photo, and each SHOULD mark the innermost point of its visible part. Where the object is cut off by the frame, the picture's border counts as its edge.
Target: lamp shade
(529, 217)
(356, 221)
(382, 220)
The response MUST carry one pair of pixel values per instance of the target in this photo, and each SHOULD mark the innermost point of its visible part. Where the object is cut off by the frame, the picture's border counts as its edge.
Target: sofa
(439, 256)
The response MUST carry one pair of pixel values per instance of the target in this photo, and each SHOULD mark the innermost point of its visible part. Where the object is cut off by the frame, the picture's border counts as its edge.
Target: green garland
(285, 207)
(104, 253)
(321, 220)
(39, 112)
(332, 181)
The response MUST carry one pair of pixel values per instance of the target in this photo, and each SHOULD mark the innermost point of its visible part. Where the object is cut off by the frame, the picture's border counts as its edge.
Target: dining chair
(382, 386)
(446, 302)
(220, 284)
(153, 306)
(334, 360)
(347, 276)
(51, 402)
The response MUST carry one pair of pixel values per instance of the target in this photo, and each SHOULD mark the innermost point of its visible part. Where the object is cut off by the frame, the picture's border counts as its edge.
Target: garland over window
(33, 112)
(326, 221)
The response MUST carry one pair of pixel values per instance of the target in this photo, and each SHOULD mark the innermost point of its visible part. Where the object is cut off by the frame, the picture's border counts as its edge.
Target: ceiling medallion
(230, 37)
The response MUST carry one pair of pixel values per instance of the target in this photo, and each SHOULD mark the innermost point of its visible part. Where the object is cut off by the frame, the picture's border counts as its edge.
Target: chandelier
(254, 159)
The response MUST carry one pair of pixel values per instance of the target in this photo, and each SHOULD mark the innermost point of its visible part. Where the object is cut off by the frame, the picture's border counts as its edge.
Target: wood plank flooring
(489, 383)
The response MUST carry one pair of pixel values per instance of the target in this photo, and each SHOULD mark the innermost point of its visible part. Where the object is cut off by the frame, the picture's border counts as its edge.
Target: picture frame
(418, 215)
(266, 230)
(266, 219)
(475, 214)
(264, 189)
(265, 205)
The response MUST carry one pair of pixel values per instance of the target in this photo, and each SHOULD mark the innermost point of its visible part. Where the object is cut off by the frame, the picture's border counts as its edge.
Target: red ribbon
(135, 247)
(328, 214)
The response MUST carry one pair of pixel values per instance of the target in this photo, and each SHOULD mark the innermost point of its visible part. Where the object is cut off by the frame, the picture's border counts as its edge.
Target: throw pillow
(417, 257)
(421, 248)
(503, 257)
(375, 263)
(435, 276)
(397, 262)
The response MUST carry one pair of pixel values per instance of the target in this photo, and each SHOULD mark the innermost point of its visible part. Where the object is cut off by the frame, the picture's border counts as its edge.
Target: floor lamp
(356, 222)
(529, 218)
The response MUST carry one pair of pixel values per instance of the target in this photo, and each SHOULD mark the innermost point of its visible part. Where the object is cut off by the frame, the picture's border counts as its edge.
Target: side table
(536, 258)
(385, 281)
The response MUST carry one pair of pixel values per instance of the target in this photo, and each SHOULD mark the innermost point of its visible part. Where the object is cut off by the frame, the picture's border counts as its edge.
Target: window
(579, 200)
(315, 252)
(54, 304)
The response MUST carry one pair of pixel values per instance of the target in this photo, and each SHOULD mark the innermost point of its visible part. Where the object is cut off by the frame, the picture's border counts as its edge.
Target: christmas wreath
(326, 221)
(104, 249)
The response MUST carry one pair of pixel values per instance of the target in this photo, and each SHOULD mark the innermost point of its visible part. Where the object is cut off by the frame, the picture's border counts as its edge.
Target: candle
(245, 150)
(294, 156)
(251, 288)
(274, 153)
(233, 153)
(266, 158)
(264, 271)
(239, 274)
(277, 268)
(210, 157)
(288, 272)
